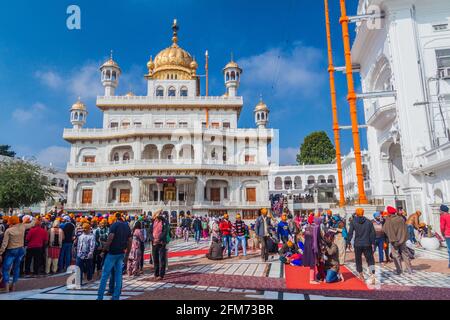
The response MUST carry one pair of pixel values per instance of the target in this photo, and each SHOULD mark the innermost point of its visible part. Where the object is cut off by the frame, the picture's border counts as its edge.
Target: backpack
(55, 242)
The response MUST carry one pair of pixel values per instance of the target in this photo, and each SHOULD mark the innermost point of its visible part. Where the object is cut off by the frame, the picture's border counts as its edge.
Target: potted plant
(429, 240)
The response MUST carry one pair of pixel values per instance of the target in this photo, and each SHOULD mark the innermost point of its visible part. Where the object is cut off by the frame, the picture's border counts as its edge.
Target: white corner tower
(261, 114)
(232, 73)
(110, 76)
(78, 114)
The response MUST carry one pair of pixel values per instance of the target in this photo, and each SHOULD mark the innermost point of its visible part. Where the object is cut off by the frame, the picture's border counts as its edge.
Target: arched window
(258, 116)
(81, 116)
(297, 183)
(76, 115)
(288, 183)
(172, 92)
(159, 91)
(233, 75)
(176, 77)
(213, 154)
(237, 76)
(278, 183)
(262, 115)
(183, 92)
(228, 76)
(114, 75)
(116, 157)
(126, 156)
(108, 75)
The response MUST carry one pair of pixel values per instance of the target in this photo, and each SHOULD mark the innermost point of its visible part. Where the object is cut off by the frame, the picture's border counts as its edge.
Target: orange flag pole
(352, 102)
(207, 85)
(337, 141)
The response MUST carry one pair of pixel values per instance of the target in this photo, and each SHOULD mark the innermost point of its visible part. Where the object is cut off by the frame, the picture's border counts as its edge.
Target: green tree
(22, 184)
(5, 150)
(316, 149)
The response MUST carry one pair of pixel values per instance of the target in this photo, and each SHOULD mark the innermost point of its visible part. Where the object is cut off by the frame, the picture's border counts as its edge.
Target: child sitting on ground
(331, 259)
(215, 250)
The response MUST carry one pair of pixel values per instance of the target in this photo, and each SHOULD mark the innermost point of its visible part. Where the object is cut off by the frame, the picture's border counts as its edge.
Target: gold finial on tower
(175, 29)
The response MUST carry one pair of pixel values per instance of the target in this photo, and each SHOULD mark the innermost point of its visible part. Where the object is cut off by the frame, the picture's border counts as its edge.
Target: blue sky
(281, 46)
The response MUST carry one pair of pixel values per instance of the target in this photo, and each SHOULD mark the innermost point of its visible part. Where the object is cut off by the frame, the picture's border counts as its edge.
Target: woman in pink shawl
(311, 251)
(134, 259)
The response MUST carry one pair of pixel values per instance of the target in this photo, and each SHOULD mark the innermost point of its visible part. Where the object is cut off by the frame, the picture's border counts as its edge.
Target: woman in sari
(134, 259)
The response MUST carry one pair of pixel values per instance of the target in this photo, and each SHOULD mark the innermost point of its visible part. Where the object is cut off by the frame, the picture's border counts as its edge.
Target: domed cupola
(172, 63)
(261, 114)
(110, 76)
(78, 114)
(232, 73)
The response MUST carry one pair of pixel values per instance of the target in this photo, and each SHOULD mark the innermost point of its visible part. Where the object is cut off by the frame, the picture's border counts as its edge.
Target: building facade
(349, 177)
(305, 187)
(171, 148)
(407, 58)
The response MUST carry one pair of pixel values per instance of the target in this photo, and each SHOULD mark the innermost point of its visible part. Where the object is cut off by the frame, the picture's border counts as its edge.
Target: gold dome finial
(150, 64)
(78, 105)
(261, 106)
(175, 29)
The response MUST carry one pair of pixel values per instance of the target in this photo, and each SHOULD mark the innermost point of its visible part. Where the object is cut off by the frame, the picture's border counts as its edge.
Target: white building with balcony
(306, 187)
(408, 132)
(170, 148)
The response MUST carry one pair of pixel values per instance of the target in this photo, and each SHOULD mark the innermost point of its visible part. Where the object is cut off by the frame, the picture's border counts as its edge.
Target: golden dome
(261, 106)
(232, 64)
(110, 63)
(173, 58)
(78, 106)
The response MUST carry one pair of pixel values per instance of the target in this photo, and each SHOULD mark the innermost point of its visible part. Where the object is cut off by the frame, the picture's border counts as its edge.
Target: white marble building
(307, 187)
(170, 148)
(408, 132)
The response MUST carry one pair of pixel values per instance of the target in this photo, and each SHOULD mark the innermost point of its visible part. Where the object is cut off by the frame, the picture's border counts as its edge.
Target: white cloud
(298, 72)
(50, 79)
(288, 156)
(56, 156)
(85, 81)
(22, 115)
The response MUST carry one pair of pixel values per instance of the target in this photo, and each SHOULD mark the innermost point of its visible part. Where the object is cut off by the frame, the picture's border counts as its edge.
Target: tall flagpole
(352, 102)
(336, 132)
(207, 86)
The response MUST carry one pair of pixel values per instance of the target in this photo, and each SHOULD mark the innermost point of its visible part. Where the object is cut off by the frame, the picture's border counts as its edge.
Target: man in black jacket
(364, 241)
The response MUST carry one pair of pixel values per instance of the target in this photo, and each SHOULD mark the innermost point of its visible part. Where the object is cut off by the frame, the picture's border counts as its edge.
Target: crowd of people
(110, 245)
(320, 241)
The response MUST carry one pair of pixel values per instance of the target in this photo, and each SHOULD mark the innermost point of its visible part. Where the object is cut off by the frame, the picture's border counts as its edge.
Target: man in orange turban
(13, 245)
(364, 232)
(359, 212)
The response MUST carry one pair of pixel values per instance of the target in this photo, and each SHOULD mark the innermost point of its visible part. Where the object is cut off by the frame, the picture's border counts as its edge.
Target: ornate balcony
(150, 101)
(381, 112)
(161, 164)
(166, 130)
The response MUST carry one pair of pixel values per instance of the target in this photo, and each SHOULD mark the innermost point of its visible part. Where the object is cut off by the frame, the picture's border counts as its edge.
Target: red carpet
(297, 278)
(183, 253)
